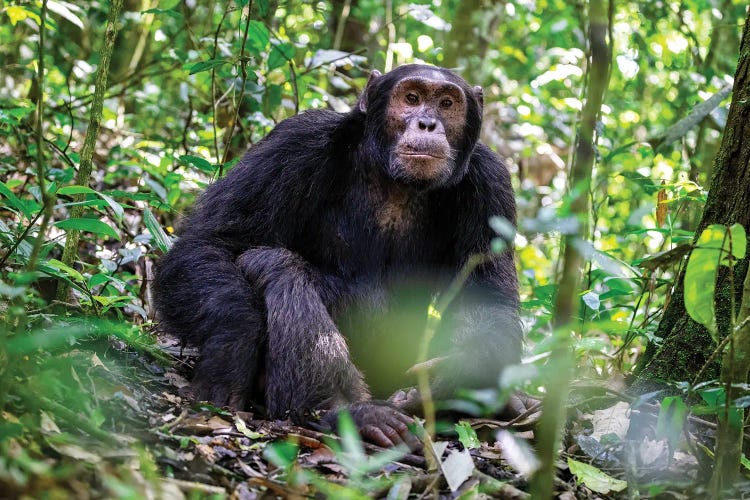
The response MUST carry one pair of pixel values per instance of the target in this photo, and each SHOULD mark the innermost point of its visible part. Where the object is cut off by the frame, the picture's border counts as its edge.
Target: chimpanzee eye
(446, 103)
(412, 98)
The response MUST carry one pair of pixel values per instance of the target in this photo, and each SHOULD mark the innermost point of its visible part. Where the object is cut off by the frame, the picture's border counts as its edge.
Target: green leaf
(168, 12)
(281, 454)
(67, 270)
(672, 415)
(257, 37)
(351, 443)
(206, 65)
(115, 206)
(200, 163)
(88, 225)
(168, 4)
(711, 251)
(739, 241)
(280, 55)
(10, 430)
(161, 238)
(594, 478)
(97, 279)
(73, 190)
(467, 435)
(262, 7)
(15, 115)
(16, 202)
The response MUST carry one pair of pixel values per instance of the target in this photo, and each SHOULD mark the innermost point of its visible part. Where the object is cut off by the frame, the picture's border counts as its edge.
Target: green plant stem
(70, 253)
(214, 102)
(243, 69)
(567, 300)
(48, 200)
(434, 316)
(735, 367)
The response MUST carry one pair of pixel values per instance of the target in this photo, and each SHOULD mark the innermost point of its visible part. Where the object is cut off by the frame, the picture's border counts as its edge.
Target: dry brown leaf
(661, 206)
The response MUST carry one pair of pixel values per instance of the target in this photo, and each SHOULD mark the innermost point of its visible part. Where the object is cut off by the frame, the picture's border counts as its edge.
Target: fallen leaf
(653, 451)
(76, 452)
(613, 420)
(595, 479)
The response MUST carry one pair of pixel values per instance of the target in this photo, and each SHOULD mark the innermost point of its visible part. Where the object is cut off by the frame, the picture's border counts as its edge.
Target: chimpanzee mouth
(420, 155)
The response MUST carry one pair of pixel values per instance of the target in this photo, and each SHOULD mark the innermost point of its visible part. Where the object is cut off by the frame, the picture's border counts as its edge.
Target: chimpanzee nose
(427, 124)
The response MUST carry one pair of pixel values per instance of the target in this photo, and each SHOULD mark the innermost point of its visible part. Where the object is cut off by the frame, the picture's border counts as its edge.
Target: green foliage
(671, 421)
(717, 246)
(467, 435)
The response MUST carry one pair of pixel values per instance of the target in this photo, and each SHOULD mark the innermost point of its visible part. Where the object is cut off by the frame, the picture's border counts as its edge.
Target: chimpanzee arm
(308, 363)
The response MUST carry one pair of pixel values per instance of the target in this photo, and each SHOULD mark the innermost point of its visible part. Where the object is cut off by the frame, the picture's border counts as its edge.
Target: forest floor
(164, 445)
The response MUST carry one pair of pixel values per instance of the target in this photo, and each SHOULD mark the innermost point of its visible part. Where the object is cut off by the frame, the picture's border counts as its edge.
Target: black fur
(288, 262)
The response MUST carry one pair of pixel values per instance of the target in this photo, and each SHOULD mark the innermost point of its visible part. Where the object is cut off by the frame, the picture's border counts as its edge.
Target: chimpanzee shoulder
(490, 177)
(278, 182)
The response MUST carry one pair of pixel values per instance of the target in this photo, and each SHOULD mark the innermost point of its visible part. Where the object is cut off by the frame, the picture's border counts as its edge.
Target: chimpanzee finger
(401, 426)
(405, 419)
(391, 430)
(375, 435)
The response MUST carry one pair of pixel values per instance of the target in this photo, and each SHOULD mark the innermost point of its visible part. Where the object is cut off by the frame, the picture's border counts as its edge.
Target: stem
(48, 200)
(567, 300)
(434, 316)
(70, 253)
(735, 367)
(342, 23)
(243, 68)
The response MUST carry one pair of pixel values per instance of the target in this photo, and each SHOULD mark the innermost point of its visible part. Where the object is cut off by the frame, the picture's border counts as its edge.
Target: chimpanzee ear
(363, 98)
(479, 94)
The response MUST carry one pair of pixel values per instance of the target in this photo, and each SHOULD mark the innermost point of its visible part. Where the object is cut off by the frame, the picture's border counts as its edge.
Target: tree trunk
(472, 29)
(687, 345)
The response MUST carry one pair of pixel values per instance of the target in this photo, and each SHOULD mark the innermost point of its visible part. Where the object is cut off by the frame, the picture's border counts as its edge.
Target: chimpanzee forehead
(431, 74)
(435, 81)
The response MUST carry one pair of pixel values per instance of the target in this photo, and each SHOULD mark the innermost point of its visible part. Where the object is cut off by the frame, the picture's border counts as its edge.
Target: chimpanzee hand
(379, 423)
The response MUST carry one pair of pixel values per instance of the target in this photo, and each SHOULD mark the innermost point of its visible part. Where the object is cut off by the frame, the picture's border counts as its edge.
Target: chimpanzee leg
(204, 299)
(308, 365)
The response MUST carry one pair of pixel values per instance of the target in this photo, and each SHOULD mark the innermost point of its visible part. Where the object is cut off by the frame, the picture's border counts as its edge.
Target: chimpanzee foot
(407, 400)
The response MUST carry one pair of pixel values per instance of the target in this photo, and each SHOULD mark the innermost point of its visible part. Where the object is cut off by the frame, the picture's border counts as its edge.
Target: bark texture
(687, 345)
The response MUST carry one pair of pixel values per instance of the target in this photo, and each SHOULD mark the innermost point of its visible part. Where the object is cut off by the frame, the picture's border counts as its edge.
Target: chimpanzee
(321, 251)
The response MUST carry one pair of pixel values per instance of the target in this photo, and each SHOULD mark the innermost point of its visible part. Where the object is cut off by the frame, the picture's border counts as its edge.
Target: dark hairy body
(319, 253)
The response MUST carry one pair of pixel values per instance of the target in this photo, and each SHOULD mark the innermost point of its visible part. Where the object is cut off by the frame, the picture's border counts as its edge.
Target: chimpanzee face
(425, 123)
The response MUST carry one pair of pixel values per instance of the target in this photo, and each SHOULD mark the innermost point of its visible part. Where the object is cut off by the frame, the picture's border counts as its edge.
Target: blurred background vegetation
(191, 84)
